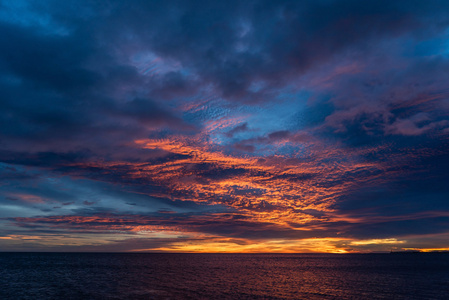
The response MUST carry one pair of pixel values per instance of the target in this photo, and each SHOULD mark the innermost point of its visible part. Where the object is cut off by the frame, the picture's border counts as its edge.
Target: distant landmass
(417, 251)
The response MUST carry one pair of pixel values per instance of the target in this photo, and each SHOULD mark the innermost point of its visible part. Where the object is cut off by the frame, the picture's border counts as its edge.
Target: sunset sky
(224, 126)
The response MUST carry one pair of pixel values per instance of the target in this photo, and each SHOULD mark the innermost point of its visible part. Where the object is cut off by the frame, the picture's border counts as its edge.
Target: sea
(223, 276)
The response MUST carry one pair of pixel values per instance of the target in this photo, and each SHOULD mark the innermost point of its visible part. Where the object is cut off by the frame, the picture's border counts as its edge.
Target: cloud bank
(313, 126)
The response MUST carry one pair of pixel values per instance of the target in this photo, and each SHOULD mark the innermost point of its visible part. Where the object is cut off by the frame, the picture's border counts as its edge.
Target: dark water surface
(223, 276)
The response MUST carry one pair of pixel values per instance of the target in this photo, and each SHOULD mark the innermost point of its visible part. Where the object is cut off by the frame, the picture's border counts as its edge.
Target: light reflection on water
(223, 276)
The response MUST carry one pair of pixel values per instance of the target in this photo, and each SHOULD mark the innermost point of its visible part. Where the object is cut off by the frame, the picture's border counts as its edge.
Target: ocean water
(223, 276)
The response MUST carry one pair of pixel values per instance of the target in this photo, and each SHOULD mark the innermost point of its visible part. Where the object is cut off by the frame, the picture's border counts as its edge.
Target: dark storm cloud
(66, 85)
(60, 95)
(235, 43)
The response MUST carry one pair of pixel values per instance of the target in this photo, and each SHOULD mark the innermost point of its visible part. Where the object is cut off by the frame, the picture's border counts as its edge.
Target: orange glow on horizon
(226, 245)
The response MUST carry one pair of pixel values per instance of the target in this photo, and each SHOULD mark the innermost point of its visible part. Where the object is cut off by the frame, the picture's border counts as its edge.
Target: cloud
(237, 129)
(241, 121)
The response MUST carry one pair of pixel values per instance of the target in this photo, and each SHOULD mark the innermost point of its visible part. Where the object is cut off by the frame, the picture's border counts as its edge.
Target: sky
(224, 126)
